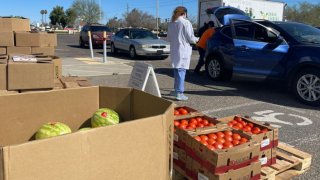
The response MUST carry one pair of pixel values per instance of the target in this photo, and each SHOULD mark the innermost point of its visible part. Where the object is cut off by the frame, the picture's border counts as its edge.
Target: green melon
(104, 117)
(52, 129)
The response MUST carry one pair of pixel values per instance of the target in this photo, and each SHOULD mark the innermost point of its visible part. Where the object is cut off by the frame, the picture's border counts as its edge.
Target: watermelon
(104, 117)
(52, 129)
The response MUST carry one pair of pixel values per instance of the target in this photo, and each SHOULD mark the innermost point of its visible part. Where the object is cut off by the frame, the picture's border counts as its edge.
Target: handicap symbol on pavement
(271, 117)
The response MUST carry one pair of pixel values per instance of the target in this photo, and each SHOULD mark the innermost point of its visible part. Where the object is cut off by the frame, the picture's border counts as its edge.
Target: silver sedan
(139, 42)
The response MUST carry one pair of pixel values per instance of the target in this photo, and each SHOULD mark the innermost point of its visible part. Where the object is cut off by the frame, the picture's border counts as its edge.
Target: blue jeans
(179, 76)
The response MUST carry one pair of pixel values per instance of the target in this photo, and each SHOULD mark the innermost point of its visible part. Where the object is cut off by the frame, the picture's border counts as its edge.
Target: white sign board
(143, 78)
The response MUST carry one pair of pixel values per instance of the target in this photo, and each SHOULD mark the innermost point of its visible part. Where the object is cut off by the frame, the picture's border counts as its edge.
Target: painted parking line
(89, 60)
(231, 107)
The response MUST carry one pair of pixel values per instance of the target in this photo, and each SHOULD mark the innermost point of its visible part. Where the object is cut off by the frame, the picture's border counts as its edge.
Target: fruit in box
(180, 111)
(52, 129)
(192, 123)
(104, 117)
(221, 140)
(239, 124)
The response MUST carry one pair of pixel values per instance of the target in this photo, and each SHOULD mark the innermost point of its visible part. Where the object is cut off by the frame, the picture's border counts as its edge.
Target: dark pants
(201, 59)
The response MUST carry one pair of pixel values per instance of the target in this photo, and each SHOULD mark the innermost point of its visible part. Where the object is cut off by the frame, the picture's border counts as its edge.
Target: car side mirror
(125, 37)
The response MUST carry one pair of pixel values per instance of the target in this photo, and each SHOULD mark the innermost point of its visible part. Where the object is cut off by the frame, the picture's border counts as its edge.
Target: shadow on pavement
(270, 92)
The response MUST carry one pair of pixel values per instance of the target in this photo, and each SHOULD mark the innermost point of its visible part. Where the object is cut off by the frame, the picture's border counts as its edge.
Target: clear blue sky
(31, 9)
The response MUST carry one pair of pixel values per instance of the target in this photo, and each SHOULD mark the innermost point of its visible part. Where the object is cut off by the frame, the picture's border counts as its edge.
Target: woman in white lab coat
(180, 35)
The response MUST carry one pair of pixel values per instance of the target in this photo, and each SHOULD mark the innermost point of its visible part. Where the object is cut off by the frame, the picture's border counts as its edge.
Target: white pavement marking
(231, 107)
(306, 120)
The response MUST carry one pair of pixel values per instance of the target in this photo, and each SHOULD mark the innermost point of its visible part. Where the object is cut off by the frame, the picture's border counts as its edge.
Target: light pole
(42, 12)
(45, 17)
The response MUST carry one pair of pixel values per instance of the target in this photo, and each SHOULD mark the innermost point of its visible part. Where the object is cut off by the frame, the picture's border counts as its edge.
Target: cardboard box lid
(137, 149)
(9, 24)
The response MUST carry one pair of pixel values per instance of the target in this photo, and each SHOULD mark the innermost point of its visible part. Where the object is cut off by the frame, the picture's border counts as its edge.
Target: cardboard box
(268, 157)
(6, 39)
(50, 51)
(179, 160)
(219, 161)
(5, 92)
(74, 82)
(3, 50)
(197, 172)
(3, 73)
(8, 24)
(191, 112)
(41, 39)
(26, 76)
(267, 140)
(137, 148)
(18, 50)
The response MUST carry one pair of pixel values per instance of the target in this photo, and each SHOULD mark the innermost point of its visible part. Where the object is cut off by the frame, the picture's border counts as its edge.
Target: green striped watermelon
(52, 129)
(104, 117)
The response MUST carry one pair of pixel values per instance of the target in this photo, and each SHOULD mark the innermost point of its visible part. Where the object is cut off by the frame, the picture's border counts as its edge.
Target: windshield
(302, 32)
(99, 28)
(142, 34)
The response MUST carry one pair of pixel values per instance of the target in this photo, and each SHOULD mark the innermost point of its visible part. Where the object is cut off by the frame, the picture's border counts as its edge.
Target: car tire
(81, 43)
(114, 50)
(132, 52)
(306, 86)
(216, 70)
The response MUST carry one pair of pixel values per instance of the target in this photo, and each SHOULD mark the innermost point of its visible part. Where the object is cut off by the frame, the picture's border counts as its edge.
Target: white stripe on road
(231, 107)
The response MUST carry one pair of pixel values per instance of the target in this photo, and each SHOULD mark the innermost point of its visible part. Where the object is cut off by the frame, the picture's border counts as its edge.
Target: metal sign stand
(104, 46)
(144, 78)
(90, 44)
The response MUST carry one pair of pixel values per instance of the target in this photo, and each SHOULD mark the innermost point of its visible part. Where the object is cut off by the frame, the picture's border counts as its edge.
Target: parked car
(139, 42)
(264, 50)
(96, 35)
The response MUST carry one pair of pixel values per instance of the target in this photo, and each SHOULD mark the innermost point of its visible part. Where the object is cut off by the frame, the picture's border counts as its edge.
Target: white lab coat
(180, 35)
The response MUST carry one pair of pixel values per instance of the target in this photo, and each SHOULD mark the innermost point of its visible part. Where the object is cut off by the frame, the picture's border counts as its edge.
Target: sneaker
(173, 93)
(181, 97)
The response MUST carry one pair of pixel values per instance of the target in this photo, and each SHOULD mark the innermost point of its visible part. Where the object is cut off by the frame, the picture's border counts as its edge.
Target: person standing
(180, 35)
(202, 29)
(202, 45)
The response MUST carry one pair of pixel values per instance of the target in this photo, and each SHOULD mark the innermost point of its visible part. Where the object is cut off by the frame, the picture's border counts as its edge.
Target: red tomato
(197, 138)
(220, 134)
(239, 125)
(236, 127)
(230, 124)
(211, 141)
(182, 126)
(227, 133)
(212, 136)
(228, 138)
(243, 140)
(218, 145)
(194, 121)
(176, 123)
(199, 119)
(210, 124)
(204, 142)
(183, 111)
(235, 142)
(227, 145)
(264, 130)
(255, 130)
(233, 121)
(243, 123)
(250, 124)
(193, 126)
(220, 140)
(176, 113)
(200, 125)
(246, 129)
(185, 122)
(204, 138)
(205, 122)
(211, 147)
(236, 137)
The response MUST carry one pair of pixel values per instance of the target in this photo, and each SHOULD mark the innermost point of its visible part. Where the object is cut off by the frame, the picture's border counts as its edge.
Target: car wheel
(306, 86)
(216, 71)
(81, 43)
(114, 50)
(132, 52)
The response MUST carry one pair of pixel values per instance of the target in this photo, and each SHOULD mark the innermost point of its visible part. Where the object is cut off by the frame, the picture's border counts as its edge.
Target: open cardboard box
(3, 72)
(137, 148)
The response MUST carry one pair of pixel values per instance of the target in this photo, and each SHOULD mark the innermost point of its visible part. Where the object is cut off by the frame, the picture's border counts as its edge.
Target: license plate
(160, 52)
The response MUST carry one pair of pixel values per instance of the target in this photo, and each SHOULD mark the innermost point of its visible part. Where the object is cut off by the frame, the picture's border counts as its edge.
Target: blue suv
(264, 50)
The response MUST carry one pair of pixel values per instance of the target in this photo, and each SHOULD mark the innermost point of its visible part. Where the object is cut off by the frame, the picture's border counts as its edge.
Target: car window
(120, 33)
(142, 34)
(244, 31)
(99, 28)
(264, 35)
(227, 32)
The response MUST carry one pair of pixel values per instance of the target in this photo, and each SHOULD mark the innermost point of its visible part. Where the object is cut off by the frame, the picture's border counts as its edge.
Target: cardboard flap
(1, 164)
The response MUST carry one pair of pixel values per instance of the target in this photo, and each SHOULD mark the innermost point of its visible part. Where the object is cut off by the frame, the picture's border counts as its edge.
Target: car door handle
(244, 48)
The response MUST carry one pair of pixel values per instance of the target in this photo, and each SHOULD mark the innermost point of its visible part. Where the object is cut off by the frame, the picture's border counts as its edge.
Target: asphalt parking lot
(268, 102)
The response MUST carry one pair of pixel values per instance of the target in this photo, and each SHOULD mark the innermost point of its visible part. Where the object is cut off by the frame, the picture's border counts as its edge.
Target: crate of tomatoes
(181, 112)
(219, 149)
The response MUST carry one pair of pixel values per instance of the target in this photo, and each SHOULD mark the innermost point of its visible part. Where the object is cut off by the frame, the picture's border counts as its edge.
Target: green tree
(304, 12)
(87, 10)
(71, 17)
(57, 16)
(137, 18)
